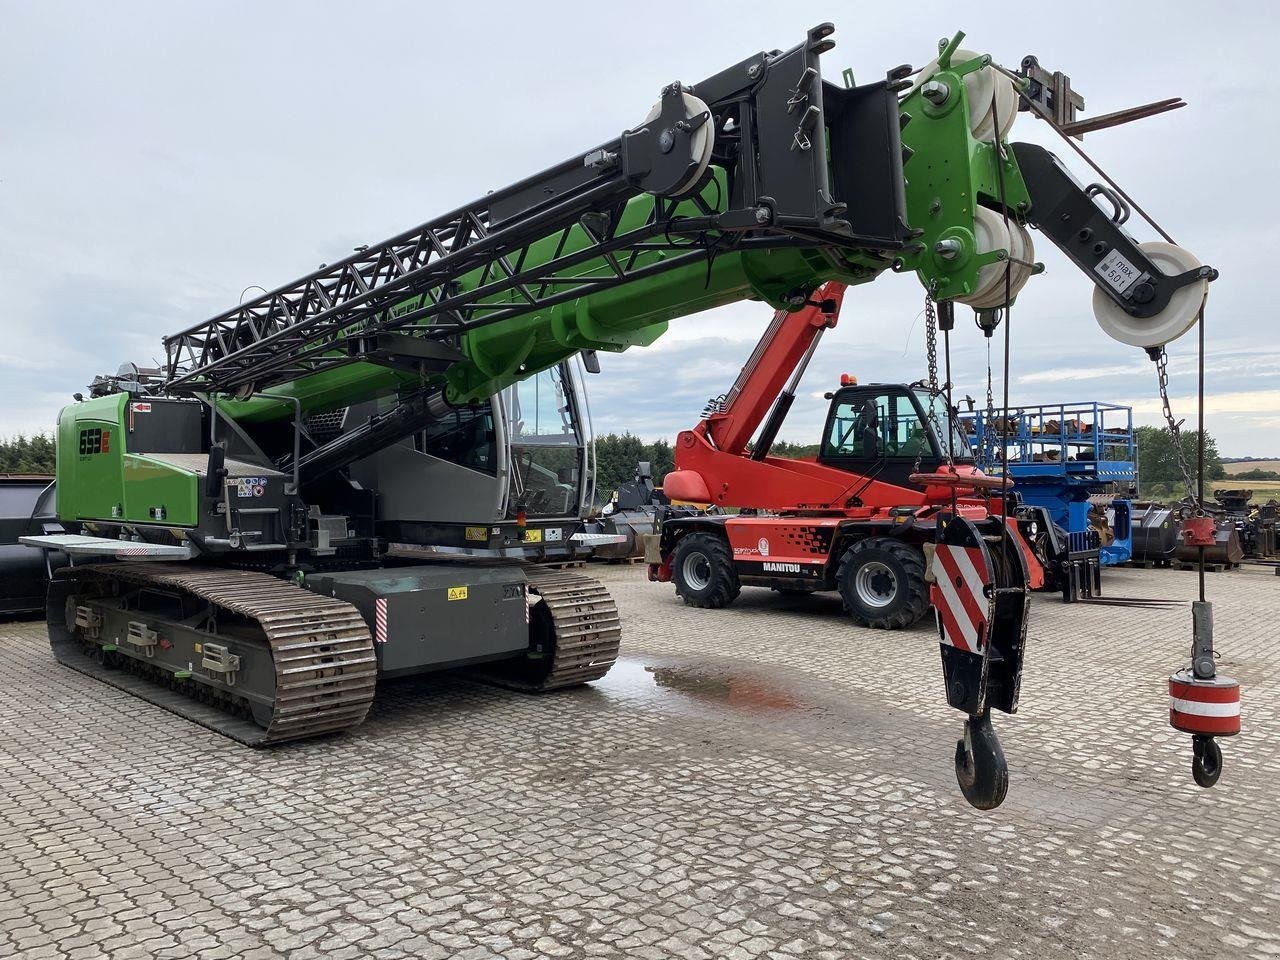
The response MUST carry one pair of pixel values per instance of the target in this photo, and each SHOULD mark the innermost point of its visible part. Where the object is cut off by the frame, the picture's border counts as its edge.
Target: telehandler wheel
(703, 571)
(881, 582)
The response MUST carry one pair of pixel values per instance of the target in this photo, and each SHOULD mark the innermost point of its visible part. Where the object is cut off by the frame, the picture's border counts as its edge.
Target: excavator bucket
(980, 597)
(1226, 548)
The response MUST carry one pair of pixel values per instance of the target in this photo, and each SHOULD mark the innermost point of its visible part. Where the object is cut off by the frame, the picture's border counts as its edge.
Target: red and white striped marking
(380, 620)
(1204, 706)
(960, 574)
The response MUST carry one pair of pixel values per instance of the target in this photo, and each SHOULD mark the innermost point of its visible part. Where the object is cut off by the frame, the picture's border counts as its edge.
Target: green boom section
(612, 319)
(947, 175)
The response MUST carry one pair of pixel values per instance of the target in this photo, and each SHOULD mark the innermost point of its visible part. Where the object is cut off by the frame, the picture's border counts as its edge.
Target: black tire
(881, 582)
(703, 571)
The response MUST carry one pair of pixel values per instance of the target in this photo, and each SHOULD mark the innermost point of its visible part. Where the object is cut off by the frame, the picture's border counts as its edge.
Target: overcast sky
(156, 159)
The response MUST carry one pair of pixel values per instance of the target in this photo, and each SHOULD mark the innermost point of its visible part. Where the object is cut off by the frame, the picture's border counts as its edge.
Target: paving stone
(762, 781)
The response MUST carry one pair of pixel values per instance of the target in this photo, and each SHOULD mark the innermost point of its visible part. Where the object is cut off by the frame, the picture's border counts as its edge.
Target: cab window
(464, 436)
(540, 410)
(870, 426)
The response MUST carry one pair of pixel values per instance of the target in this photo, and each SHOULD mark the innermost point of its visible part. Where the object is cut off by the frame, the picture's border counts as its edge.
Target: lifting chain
(931, 342)
(987, 441)
(1161, 359)
(935, 389)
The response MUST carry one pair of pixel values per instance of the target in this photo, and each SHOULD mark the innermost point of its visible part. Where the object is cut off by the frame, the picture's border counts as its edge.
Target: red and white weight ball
(1204, 706)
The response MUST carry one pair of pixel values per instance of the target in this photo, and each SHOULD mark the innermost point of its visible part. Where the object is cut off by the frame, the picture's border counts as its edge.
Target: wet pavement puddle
(698, 688)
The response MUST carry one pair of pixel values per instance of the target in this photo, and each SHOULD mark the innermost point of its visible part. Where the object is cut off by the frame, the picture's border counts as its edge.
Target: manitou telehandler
(331, 482)
(861, 518)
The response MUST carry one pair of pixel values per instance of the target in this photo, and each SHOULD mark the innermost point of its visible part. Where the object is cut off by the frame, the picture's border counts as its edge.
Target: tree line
(1257, 473)
(618, 454)
(23, 454)
(1158, 470)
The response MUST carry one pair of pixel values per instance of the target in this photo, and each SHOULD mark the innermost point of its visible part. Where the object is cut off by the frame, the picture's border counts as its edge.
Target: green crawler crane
(339, 480)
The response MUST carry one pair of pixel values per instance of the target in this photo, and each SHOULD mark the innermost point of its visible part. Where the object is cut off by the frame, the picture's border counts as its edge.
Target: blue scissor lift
(1061, 455)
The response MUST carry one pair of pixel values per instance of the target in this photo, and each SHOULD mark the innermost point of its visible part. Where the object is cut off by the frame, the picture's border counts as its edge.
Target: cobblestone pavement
(762, 781)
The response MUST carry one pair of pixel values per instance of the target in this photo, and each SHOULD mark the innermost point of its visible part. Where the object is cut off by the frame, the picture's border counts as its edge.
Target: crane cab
(889, 431)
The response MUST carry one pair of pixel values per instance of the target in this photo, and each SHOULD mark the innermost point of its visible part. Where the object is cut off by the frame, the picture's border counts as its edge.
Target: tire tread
(912, 561)
(724, 587)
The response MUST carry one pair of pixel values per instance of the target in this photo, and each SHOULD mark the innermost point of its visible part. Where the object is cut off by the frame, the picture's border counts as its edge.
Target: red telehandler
(860, 519)
(893, 493)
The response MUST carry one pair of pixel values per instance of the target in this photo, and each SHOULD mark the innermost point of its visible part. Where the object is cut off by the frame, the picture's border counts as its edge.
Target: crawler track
(576, 628)
(325, 668)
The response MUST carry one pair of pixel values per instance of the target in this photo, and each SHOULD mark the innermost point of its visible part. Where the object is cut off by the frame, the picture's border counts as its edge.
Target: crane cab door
(884, 429)
(547, 444)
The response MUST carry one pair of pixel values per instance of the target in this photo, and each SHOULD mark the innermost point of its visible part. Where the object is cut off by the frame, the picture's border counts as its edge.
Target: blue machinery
(1067, 457)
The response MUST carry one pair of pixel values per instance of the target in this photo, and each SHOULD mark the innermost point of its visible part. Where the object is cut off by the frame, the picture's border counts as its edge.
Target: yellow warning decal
(532, 536)
(199, 648)
(477, 533)
(457, 593)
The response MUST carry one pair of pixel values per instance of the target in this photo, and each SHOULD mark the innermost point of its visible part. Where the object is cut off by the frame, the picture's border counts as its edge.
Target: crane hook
(1206, 760)
(981, 770)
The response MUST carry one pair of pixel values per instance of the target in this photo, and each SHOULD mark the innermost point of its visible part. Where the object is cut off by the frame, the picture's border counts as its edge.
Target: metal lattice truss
(308, 326)
(560, 234)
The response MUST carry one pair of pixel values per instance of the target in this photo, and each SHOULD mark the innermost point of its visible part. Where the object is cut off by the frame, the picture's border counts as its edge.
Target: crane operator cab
(509, 477)
(890, 431)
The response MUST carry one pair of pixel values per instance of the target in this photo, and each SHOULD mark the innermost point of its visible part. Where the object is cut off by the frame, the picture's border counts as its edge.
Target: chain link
(931, 341)
(1175, 427)
(987, 442)
(935, 391)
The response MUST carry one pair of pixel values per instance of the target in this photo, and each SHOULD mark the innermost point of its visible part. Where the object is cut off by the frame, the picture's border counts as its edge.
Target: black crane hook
(981, 770)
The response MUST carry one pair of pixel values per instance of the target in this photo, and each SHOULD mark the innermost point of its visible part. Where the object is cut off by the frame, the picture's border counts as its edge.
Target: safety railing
(1092, 439)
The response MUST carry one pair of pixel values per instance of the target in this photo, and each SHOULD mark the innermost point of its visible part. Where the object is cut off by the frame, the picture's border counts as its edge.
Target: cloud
(139, 197)
(1059, 374)
(1242, 402)
(24, 363)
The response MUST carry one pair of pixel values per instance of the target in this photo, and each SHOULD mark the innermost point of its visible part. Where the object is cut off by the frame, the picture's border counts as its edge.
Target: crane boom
(763, 181)
(498, 278)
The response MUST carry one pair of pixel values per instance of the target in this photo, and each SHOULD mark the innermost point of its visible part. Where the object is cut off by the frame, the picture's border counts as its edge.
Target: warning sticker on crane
(250, 486)
(960, 577)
